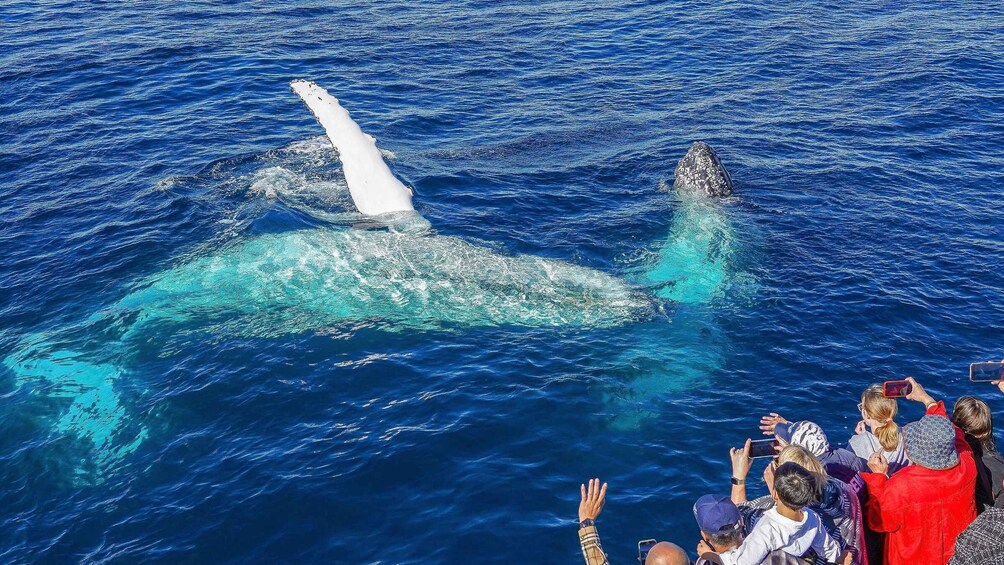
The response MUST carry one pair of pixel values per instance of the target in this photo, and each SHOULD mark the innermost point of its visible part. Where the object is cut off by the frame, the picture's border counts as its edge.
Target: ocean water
(208, 357)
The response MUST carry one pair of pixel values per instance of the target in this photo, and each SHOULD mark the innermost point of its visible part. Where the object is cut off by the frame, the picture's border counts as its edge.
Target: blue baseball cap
(717, 514)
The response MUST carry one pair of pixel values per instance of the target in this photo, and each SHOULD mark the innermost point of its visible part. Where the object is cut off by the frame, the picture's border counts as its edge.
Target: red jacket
(923, 510)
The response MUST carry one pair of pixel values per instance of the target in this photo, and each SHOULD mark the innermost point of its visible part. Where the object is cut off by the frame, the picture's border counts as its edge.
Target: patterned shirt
(592, 551)
(982, 543)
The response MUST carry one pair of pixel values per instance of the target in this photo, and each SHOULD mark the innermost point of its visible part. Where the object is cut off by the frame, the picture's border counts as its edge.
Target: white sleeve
(754, 548)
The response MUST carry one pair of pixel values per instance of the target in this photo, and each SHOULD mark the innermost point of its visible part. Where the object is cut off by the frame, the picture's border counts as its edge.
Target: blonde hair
(883, 410)
(804, 458)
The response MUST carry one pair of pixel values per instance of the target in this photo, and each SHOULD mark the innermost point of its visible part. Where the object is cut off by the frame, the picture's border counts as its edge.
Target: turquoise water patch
(95, 413)
(697, 262)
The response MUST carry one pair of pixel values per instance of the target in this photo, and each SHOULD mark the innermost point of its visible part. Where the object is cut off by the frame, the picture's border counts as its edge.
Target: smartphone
(763, 448)
(644, 546)
(896, 389)
(986, 372)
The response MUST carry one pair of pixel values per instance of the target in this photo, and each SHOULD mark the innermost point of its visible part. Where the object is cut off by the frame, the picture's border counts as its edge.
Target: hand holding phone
(986, 372)
(896, 389)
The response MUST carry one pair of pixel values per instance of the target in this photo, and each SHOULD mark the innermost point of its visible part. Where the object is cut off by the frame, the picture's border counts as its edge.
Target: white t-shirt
(773, 531)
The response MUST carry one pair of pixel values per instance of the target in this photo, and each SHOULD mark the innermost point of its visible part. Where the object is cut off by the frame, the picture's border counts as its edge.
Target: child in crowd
(836, 503)
(789, 526)
(877, 430)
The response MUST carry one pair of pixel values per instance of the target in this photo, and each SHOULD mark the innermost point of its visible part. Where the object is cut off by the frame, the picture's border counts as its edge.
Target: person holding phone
(974, 417)
(789, 526)
(877, 430)
(720, 523)
(924, 507)
(838, 462)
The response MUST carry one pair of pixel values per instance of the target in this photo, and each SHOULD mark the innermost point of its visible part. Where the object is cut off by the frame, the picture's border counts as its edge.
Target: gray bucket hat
(930, 442)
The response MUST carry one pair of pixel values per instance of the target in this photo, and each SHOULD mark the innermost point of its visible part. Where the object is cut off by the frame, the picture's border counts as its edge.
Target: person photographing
(789, 526)
(925, 506)
(877, 430)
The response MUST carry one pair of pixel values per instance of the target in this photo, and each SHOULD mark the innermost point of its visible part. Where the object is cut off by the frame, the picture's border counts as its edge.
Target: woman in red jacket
(923, 507)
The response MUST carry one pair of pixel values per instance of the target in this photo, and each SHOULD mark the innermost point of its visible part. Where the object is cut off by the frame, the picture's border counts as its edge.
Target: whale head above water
(701, 172)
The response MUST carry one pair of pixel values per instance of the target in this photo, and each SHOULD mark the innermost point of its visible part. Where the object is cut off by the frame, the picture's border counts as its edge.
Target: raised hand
(861, 428)
(878, 463)
(917, 393)
(770, 421)
(593, 499)
(768, 475)
(741, 461)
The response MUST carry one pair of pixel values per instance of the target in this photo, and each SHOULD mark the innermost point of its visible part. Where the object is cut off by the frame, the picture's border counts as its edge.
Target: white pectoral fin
(373, 187)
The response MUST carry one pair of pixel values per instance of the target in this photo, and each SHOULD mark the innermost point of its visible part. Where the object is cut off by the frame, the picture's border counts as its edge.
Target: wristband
(738, 482)
(587, 523)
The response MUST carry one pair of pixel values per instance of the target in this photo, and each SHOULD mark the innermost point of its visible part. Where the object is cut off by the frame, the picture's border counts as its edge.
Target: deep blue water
(865, 141)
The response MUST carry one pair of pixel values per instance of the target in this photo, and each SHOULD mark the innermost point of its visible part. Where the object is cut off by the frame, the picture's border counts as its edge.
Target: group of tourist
(930, 492)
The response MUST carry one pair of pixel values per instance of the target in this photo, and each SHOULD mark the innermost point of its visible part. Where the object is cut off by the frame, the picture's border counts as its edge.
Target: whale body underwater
(398, 274)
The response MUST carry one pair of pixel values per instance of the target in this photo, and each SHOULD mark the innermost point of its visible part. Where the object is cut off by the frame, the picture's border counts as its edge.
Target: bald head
(665, 553)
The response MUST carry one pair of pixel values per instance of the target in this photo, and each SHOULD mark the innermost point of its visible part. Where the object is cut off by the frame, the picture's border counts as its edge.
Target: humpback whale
(390, 276)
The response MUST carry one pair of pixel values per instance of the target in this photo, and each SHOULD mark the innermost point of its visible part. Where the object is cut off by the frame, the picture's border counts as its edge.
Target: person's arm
(593, 499)
(882, 512)
(753, 550)
(592, 551)
(919, 394)
(937, 408)
(740, 470)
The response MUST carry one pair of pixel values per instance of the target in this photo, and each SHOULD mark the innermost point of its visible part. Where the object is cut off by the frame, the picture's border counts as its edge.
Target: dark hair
(731, 538)
(795, 486)
(975, 418)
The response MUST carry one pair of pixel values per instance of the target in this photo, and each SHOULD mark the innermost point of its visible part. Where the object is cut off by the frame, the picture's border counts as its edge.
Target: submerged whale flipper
(373, 187)
(94, 412)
